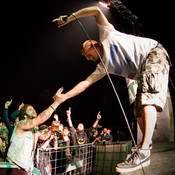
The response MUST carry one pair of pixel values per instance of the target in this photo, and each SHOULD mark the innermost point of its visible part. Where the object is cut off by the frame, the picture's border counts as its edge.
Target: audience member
(66, 153)
(65, 137)
(25, 136)
(79, 137)
(43, 158)
(105, 137)
(109, 132)
(120, 135)
(5, 118)
(61, 139)
(3, 140)
(94, 137)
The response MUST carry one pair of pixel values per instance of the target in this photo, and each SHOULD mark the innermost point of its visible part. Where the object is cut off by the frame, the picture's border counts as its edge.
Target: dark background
(37, 58)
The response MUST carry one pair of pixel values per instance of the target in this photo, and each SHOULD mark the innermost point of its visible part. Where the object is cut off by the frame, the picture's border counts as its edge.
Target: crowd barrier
(109, 155)
(100, 159)
(57, 161)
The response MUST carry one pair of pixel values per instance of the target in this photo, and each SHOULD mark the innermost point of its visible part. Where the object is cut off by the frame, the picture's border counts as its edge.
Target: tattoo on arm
(44, 116)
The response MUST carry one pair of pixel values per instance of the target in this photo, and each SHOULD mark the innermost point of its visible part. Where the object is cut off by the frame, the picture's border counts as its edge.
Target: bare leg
(150, 116)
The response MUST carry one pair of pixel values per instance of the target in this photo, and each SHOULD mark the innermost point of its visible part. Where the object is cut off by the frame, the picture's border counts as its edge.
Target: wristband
(69, 14)
(73, 14)
(50, 130)
(52, 107)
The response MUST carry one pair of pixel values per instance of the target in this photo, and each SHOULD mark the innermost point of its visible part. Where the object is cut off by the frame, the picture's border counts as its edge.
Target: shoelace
(133, 156)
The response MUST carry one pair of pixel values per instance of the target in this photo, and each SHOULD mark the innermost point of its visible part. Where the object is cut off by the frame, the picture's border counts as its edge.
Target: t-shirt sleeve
(104, 31)
(99, 69)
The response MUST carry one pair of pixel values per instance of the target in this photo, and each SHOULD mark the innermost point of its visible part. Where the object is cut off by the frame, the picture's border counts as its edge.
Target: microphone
(65, 18)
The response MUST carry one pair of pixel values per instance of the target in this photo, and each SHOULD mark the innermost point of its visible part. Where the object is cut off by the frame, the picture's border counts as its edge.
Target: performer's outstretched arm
(85, 12)
(80, 87)
(100, 19)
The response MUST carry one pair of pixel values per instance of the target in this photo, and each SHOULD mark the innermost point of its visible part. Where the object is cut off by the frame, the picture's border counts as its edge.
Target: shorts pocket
(151, 82)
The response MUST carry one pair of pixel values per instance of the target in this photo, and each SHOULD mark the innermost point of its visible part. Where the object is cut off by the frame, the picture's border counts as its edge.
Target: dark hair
(65, 127)
(43, 127)
(22, 111)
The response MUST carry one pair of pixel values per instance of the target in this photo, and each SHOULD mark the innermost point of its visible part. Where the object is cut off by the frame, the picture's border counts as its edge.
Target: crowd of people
(25, 131)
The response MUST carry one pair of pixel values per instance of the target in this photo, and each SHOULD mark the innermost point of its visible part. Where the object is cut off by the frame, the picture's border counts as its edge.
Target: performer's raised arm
(85, 12)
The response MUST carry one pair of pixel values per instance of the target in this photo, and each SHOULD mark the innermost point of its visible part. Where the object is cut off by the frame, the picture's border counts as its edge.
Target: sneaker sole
(127, 170)
(134, 149)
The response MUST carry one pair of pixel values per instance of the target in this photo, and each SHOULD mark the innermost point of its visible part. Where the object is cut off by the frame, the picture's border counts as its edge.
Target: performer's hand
(61, 21)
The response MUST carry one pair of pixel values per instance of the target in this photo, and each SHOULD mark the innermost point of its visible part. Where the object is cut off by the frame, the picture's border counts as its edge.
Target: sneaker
(133, 149)
(135, 161)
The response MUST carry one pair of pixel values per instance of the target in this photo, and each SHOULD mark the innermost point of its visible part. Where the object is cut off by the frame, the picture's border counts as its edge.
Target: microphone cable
(112, 84)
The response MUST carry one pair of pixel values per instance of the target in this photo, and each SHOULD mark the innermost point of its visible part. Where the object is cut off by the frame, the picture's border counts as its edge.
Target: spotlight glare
(104, 4)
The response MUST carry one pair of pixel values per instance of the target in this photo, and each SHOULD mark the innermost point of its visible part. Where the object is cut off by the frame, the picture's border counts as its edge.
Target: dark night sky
(37, 58)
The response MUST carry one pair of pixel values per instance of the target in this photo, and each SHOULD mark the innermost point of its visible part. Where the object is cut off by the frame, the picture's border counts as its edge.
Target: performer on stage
(133, 57)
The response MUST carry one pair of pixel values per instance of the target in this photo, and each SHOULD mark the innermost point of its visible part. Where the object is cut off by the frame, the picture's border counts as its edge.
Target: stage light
(105, 3)
(118, 7)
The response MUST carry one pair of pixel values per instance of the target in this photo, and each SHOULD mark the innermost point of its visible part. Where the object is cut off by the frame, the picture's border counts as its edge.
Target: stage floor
(162, 160)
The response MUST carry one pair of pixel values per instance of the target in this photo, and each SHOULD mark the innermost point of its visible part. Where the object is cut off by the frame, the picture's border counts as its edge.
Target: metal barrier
(56, 161)
(109, 155)
(84, 159)
(81, 160)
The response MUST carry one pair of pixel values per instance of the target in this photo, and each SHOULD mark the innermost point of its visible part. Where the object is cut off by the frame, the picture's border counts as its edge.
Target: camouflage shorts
(153, 81)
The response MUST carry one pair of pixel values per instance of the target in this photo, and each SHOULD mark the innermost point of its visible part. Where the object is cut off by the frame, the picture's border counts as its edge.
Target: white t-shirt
(123, 53)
